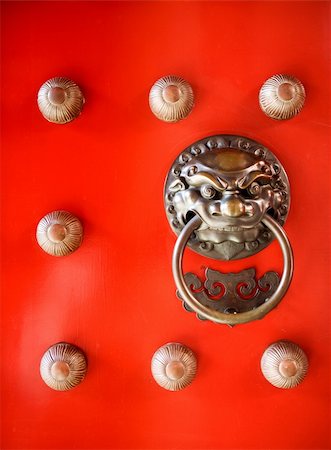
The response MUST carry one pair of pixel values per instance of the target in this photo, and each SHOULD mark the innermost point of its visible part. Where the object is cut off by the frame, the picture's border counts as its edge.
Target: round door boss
(284, 364)
(282, 97)
(63, 366)
(227, 197)
(60, 100)
(59, 233)
(174, 366)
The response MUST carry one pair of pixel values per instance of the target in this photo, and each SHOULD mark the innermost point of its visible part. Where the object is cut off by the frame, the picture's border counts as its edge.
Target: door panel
(115, 296)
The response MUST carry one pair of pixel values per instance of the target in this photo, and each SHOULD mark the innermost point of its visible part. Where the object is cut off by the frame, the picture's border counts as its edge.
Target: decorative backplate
(231, 293)
(284, 364)
(63, 366)
(230, 182)
(174, 366)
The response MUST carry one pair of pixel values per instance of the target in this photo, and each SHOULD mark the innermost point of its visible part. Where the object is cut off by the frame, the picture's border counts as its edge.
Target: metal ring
(232, 319)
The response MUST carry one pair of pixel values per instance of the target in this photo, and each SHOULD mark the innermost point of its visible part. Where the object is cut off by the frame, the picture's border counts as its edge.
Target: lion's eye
(192, 170)
(208, 191)
(254, 189)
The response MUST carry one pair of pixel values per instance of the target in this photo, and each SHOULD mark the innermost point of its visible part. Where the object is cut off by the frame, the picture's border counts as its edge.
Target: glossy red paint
(115, 297)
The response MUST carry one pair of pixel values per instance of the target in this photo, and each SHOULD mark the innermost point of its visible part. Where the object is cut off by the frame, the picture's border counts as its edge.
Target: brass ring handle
(244, 317)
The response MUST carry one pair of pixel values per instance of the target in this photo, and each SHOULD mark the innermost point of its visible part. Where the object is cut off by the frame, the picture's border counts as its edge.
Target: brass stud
(63, 366)
(59, 233)
(282, 97)
(174, 366)
(60, 100)
(284, 364)
(171, 98)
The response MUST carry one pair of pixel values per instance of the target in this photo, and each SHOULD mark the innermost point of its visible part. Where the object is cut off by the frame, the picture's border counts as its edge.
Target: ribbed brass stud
(284, 364)
(59, 233)
(60, 100)
(282, 97)
(171, 98)
(174, 366)
(63, 366)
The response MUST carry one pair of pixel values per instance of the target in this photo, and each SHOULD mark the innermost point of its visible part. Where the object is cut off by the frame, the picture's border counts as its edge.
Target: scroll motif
(231, 293)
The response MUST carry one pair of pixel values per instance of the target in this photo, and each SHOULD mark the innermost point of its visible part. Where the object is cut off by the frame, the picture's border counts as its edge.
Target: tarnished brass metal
(282, 97)
(63, 366)
(230, 182)
(284, 364)
(174, 366)
(171, 98)
(60, 100)
(230, 292)
(227, 197)
(231, 316)
(59, 233)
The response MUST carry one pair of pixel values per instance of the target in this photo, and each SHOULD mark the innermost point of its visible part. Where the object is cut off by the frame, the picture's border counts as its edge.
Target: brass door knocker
(226, 197)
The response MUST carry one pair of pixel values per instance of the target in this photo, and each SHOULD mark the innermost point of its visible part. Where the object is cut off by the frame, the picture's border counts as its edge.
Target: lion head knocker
(232, 187)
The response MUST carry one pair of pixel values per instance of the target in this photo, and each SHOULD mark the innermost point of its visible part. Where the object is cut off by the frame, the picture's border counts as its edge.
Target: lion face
(231, 190)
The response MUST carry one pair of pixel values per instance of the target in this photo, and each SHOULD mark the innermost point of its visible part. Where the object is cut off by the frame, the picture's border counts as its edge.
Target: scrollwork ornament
(235, 292)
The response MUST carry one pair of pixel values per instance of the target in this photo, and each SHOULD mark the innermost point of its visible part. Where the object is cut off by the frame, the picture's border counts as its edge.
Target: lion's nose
(215, 209)
(232, 207)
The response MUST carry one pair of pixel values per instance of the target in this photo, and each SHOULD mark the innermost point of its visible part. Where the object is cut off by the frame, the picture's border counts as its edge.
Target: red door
(115, 296)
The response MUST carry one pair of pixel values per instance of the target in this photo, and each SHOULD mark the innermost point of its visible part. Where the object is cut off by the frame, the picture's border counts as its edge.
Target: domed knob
(174, 366)
(60, 100)
(282, 97)
(63, 366)
(59, 233)
(284, 364)
(57, 95)
(171, 98)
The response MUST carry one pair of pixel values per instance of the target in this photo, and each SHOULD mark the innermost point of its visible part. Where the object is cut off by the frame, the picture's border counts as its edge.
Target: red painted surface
(115, 296)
